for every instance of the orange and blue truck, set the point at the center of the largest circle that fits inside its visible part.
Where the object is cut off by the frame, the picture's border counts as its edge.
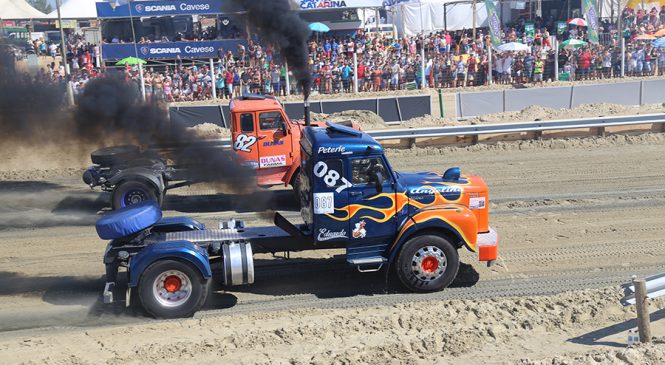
(409, 223)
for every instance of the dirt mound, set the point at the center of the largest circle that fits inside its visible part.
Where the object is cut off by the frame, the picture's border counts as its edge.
(209, 131)
(365, 118)
(554, 144)
(430, 121)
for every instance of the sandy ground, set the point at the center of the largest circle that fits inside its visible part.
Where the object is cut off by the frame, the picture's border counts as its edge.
(577, 217)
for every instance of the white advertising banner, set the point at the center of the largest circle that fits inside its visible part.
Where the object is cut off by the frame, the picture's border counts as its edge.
(429, 16)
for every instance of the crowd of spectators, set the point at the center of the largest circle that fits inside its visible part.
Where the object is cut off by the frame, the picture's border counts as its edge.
(452, 59)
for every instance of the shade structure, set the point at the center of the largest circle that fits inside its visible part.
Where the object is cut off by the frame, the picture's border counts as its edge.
(513, 47)
(75, 9)
(660, 33)
(319, 27)
(572, 44)
(130, 61)
(577, 21)
(17, 10)
(659, 43)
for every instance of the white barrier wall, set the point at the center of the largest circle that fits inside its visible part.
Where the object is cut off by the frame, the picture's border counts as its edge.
(623, 93)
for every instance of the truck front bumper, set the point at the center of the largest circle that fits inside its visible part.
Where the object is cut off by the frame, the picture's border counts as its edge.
(488, 246)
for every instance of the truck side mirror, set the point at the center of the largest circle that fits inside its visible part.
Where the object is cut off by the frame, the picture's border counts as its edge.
(378, 179)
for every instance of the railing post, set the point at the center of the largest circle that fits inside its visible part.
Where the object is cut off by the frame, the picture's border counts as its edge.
(623, 56)
(642, 308)
(441, 103)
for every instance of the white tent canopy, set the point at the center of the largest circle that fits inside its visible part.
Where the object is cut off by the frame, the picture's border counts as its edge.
(427, 16)
(76, 9)
(18, 9)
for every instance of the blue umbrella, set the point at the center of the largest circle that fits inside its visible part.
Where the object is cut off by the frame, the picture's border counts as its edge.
(319, 27)
(659, 43)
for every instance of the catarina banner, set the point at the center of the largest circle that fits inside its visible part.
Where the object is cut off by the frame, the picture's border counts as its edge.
(148, 51)
(157, 8)
(494, 23)
(339, 4)
(589, 9)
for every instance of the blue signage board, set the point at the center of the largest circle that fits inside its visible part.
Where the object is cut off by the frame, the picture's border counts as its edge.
(149, 51)
(158, 8)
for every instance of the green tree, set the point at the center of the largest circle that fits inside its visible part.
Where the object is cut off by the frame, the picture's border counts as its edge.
(41, 5)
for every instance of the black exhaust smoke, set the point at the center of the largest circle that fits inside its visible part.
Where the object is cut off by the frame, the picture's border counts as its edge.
(109, 112)
(278, 23)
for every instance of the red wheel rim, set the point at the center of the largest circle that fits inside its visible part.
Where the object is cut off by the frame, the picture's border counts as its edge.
(429, 264)
(172, 284)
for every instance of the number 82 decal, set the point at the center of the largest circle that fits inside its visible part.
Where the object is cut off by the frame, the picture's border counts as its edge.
(331, 177)
(244, 142)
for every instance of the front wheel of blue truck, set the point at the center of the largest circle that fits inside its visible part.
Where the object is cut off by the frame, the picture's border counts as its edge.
(427, 263)
(172, 289)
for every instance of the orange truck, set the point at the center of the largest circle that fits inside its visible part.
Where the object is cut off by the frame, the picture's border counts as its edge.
(263, 137)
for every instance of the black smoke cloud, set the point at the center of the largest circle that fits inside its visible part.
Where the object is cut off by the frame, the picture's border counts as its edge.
(279, 24)
(109, 111)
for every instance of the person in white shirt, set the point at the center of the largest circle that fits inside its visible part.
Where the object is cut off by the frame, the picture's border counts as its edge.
(498, 67)
(508, 68)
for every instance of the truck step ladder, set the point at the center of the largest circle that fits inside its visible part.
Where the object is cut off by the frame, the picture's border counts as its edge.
(368, 264)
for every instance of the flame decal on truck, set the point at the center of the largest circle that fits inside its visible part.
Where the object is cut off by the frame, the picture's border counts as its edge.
(428, 215)
(397, 202)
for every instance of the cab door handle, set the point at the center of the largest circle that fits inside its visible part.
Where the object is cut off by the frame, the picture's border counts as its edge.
(355, 193)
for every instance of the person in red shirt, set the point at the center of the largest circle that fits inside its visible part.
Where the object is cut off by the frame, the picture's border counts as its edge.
(228, 80)
(584, 64)
(361, 76)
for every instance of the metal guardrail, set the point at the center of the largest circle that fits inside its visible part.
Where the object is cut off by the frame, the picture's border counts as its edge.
(479, 129)
(467, 130)
(655, 286)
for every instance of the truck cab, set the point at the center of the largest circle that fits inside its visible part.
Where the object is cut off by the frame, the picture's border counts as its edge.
(351, 194)
(265, 139)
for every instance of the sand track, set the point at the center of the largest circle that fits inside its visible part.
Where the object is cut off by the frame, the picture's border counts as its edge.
(584, 216)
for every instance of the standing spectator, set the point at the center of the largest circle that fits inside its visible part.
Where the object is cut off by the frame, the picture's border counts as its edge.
(538, 69)
(275, 77)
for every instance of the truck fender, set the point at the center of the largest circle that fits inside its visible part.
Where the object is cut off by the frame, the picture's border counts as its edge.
(139, 173)
(455, 221)
(179, 250)
(291, 172)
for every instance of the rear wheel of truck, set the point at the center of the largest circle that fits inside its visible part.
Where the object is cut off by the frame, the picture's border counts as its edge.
(110, 156)
(427, 263)
(132, 192)
(172, 289)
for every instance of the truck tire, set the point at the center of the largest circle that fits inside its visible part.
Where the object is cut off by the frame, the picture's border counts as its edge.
(295, 184)
(427, 263)
(131, 192)
(172, 289)
(111, 156)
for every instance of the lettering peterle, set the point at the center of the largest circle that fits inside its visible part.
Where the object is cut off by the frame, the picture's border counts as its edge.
(338, 149)
(326, 234)
(442, 189)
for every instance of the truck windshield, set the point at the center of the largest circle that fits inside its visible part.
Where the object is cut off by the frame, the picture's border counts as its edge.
(271, 121)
